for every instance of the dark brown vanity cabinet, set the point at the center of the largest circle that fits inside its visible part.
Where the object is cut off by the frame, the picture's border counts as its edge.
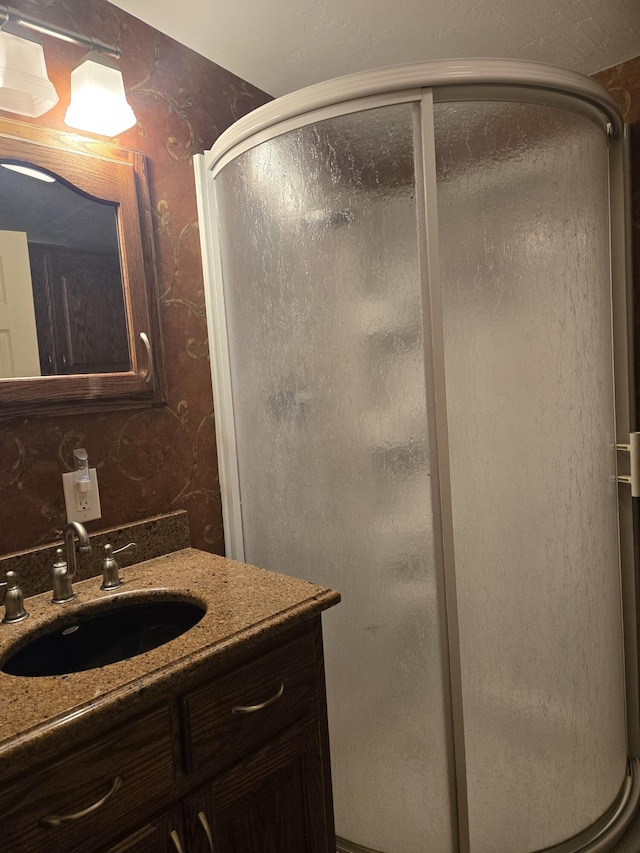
(271, 803)
(237, 762)
(163, 835)
(88, 791)
(261, 729)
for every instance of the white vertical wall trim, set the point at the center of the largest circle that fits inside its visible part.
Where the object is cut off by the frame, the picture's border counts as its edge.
(219, 358)
(438, 428)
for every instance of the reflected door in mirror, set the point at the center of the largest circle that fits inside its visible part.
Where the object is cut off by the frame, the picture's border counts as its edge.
(18, 339)
(80, 311)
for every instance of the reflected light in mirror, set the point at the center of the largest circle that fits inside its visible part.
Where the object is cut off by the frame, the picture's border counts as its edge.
(30, 171)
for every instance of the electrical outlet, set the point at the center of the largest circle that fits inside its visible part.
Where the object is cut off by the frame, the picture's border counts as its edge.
(83, 501)
(81, 506)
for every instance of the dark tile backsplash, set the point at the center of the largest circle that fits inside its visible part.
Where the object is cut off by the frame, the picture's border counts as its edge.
(153, 538)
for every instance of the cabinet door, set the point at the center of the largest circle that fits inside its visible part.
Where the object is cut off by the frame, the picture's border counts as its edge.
(164, 835)
(273, 802)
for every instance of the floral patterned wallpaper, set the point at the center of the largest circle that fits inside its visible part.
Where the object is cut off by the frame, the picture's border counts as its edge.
(155, 460)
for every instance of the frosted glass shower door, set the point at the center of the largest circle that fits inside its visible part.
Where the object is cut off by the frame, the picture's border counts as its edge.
(323, 302)
(524, 254)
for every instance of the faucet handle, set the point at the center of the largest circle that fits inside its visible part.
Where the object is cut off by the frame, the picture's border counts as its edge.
(110, 568)
(13, 604)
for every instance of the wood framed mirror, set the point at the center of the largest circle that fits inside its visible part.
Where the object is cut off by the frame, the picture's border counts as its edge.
(79, 327)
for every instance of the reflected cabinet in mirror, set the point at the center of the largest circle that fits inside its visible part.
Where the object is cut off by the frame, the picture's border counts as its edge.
(79, 323)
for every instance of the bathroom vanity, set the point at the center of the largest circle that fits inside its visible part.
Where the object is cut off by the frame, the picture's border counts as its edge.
(214, 741)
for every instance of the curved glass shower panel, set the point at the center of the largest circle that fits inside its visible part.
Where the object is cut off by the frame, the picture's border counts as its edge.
(323, 304)
(524, 253)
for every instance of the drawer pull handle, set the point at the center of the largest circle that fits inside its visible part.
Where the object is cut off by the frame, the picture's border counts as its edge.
(176, 840)
(205, 825)
(250, 709)
(56, 820)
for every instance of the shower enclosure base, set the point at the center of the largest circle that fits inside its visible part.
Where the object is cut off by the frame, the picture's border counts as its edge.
(343, 846)
(602, 837)
(605, 834)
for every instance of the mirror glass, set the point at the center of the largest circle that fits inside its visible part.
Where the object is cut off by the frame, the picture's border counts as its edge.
(62, 309)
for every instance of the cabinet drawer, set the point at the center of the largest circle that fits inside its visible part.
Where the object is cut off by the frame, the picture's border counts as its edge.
(130, 769)
(229, 718)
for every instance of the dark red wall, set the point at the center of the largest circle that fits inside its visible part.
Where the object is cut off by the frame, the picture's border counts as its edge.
(162, 459)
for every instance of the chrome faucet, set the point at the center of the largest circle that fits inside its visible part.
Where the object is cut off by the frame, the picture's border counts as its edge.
(63, 571)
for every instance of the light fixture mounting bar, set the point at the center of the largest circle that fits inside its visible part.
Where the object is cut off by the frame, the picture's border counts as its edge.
(8, 13)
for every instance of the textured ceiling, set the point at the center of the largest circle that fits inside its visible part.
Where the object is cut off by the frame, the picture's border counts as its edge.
(283, 45)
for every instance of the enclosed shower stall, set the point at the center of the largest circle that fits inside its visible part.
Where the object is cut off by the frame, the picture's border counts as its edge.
(416, 302)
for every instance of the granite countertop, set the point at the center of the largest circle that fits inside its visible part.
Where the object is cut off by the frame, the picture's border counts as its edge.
(245, 605)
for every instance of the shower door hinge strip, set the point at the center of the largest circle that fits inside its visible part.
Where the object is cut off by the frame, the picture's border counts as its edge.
(633, 477)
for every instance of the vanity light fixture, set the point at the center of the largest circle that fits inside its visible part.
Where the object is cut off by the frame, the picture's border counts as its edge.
(98, 101)
(25, 87)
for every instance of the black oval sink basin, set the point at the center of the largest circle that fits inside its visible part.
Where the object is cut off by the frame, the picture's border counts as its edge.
(88, 641)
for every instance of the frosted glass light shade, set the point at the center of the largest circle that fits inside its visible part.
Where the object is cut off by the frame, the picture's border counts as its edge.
(98, 101)
(25, 87)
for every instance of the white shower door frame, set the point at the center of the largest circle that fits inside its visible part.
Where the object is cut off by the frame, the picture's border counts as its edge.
(251, 132)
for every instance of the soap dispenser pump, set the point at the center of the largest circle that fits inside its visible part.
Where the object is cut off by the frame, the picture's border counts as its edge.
(110, 568)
